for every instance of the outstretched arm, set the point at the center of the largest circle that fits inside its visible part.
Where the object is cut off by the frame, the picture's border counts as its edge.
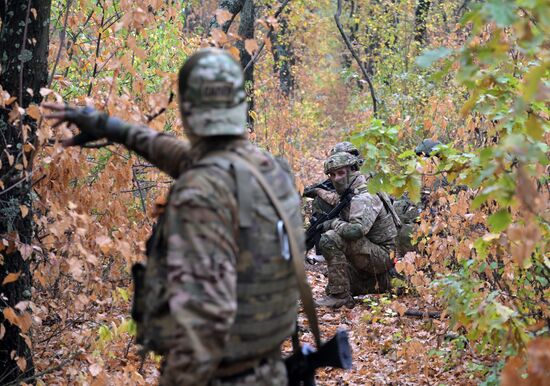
(167, 153)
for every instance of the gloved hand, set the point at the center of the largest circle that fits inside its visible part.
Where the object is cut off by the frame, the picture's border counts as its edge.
(93, 124)
(350, 231)
(327, 225)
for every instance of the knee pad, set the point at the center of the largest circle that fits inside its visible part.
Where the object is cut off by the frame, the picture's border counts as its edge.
(327, 243)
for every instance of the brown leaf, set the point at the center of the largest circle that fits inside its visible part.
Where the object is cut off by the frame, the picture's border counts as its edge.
(24, 210)
(33, 111)
(95, 369)
(2, 330)
(251, 46)
(222, 16)
(218, 37)
(11, 277)
(21, 363)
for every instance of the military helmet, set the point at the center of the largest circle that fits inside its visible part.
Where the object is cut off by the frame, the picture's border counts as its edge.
(211, 94)
(345, 146)
(426, 147)
(339, 160)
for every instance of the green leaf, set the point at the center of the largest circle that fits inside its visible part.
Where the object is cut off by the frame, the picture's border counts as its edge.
(499, 221)
(428, 57)
(501, 11)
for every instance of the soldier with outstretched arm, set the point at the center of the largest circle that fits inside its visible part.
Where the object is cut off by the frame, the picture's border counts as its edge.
(218, 296)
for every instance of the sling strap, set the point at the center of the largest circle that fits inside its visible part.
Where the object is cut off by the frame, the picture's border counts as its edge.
(298, 261)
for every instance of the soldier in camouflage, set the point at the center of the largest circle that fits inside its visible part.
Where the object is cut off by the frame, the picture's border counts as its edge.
(218, 297)
(356, 245)
(325, 198)
(409, 211)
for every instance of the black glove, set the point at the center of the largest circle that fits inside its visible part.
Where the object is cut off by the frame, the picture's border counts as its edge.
(93, 124)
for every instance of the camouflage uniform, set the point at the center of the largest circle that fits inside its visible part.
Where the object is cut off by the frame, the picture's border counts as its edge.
(357, 245)
(217, 296)
(325, 200)
(409, 211)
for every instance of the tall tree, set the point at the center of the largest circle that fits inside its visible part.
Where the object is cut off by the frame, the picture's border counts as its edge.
(24, 39)
(247, 9)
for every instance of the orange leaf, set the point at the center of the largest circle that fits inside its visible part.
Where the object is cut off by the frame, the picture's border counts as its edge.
(222, 16)
(251, 46)
(11, 277)
(33, 111)
(11, 316)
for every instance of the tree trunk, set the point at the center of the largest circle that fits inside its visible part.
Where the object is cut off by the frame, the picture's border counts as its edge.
(246, 31)
(283, 56)
(420, 15)
(24, 37)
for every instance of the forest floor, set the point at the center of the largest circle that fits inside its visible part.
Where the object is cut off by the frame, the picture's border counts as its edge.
(388, 349)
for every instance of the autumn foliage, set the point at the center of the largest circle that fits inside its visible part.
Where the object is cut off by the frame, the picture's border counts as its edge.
(477, 81)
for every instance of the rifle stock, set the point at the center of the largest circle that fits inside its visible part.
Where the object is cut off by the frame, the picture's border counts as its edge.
(301, 366)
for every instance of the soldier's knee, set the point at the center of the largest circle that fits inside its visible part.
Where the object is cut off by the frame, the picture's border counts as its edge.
(329, 242)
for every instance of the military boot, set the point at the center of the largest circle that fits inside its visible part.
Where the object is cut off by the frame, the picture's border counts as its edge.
(336, 301)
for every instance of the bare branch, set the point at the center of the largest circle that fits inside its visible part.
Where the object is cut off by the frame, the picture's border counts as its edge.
(357, 59)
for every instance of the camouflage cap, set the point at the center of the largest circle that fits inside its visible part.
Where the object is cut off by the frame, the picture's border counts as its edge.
(339, 160)
(426, 147)
(345, 146)
(211, 93)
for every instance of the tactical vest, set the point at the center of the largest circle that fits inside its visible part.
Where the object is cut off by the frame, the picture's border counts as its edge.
(267, 291)
(384, 229)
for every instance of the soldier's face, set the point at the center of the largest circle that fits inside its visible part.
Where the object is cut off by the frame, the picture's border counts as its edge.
(340, 178)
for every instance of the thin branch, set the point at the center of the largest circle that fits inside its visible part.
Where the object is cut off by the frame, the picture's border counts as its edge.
(357, 59)
(142, 199)
(62, 37)
(97, 48)
(22, 63)
(162, 110)
(50, 370)
(257, 54)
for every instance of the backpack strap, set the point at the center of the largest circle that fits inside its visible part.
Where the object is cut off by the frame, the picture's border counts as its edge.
(391, 210)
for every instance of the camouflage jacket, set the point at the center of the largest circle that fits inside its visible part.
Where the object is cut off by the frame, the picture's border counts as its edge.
(368, 211)
(200, 258)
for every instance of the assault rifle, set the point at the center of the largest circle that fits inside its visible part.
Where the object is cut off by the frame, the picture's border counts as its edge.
(313, 233)
(302, 364)
(309, 191)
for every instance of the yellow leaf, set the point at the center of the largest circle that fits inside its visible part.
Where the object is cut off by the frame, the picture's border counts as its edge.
(11, 277)
(24, 210)
(222, 16)
(251, 46)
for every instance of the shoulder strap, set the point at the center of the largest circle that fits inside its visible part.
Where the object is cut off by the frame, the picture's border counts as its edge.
(298, 261)
(389, 207)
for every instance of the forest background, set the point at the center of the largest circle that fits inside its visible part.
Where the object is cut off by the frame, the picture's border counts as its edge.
(383, 73)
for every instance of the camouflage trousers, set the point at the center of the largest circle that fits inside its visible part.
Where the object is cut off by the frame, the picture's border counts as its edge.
(270, 373)
(355, 267)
